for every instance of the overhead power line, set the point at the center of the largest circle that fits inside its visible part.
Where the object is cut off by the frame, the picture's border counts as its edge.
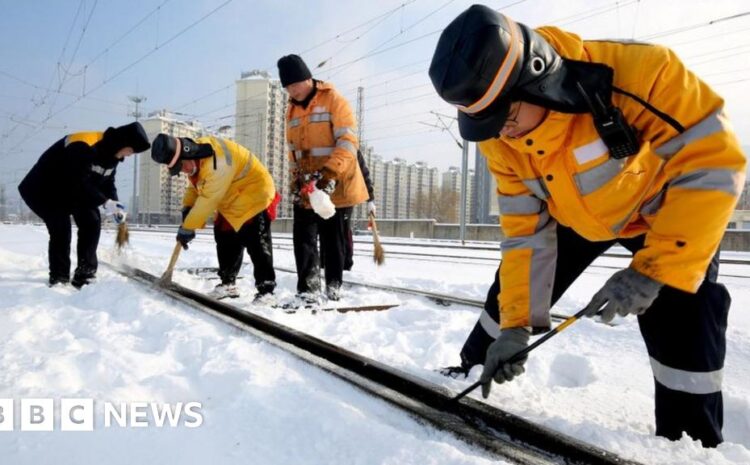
(695, 26)
(129, 66)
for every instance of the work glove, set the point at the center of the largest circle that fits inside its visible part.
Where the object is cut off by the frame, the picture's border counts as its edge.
(509, 343)
(116, 209)
(185, 212)
(371, 209)
(626, 292)
(184, 236)
(326, 181)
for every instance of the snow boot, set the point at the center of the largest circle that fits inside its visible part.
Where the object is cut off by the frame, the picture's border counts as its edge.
(265, 299)
(307, 299)
(333, 292)
(80, 280)
(58, 281)
(224, 291)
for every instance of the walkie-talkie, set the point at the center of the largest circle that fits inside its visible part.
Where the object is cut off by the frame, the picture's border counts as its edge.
(619, 137)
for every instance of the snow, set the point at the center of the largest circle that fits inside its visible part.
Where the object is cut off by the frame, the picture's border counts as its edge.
(121, 342)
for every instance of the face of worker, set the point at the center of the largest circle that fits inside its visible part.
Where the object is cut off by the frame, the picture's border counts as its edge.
(523, 118)
(300, 90)
(124, 152)
(189, 167)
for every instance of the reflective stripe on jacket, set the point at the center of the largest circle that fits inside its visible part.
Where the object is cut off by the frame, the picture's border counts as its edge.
(324, 135)
(679, 190)
(238, 187)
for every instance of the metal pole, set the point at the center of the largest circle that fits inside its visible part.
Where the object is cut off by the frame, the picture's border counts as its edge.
(137, 99)
(464, 184)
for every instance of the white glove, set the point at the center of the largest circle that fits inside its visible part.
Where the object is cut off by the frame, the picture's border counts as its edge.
(321, 204)
(116, 209)
(371, 209)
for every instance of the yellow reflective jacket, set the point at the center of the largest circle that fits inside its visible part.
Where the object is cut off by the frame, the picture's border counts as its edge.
(679, 189)
(233, 182)
(323, 135)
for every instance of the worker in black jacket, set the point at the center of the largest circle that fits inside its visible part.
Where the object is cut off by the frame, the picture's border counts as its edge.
(75, 176)
(349, 260)
(349, 249)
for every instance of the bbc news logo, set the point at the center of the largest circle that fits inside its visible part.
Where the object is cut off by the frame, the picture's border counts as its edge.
(79, 415)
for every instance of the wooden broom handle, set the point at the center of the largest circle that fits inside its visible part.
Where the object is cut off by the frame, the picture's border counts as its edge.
(173, 260)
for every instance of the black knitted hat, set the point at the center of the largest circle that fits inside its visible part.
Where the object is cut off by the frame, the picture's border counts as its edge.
(292, 69)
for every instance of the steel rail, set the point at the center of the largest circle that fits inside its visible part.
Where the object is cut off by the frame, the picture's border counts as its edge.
(502, 434)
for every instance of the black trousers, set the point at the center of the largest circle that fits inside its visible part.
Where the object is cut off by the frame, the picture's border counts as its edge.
(255, 236)
(89, 223)
(348, 242)
(685, 336)
(307, 226)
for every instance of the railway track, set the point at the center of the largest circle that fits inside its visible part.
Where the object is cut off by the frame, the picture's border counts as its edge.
(428, 256)
(502, 434)
(441, 299)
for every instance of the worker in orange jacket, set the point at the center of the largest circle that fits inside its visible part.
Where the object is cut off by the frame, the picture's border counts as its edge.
(594, 143)
(321, 131)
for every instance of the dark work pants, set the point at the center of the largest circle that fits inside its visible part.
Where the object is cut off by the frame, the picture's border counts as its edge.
(307, 226)
(684, 335)
(348, 242)
(255, 236)
(88, 221)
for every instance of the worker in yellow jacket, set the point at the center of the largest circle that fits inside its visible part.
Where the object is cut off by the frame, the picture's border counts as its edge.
(321, 131)
(227, 180)
(594, 143)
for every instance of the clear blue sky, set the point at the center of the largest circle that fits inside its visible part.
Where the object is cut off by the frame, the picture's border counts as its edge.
(44, 44)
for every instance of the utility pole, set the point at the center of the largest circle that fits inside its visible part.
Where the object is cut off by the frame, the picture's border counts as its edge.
(137, 100)
(360, 114)
(464, 186)
(2, 202)
(361, 210)
(464, 145)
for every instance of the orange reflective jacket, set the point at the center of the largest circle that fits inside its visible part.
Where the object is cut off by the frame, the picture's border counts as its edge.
(323, 135)
(679, 189)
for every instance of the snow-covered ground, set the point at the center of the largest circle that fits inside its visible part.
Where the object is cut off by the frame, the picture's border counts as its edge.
(116, 341)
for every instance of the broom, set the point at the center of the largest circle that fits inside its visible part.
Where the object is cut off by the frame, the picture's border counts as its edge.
(166, 278)
(123, 236)
(378, 254)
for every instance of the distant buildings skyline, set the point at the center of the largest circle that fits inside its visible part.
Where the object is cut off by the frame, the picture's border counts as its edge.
(402, 190)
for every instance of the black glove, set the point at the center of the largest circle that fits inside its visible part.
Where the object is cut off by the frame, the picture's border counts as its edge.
(508, 343)
(626, 292)
(185, 212)
(184, 236)
(326, 181)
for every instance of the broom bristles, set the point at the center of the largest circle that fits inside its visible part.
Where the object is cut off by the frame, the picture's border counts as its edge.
(378, 254)
(123, 235)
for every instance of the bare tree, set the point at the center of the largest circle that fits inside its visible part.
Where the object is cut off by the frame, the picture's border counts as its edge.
(446, 203)
(440, 205)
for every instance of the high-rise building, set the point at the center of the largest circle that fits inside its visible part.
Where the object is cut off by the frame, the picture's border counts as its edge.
(260, 126)
(395, 189)
(485, 205)
(426, 186)
(159, 194)
(452, 183)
